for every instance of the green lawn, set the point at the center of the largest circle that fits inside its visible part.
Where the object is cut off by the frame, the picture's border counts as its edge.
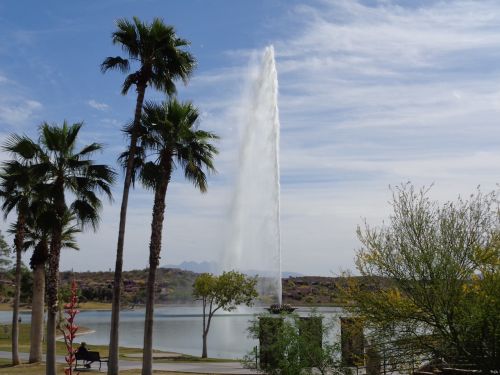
(24, 343)
(39, 369)
(33, 369)
(24, 346)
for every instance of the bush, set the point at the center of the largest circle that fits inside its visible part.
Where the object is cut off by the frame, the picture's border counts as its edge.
(293, 348)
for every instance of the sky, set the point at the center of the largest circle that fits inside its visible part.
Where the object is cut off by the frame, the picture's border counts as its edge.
(372, 94)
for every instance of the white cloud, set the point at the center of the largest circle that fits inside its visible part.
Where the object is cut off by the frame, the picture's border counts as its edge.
(19, 112)
(17, 107)
(96, 105)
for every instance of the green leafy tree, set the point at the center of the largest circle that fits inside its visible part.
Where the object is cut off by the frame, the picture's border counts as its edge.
(171, 139)
(444, 266)
(61, 169)
(224, 292)
(161, 58)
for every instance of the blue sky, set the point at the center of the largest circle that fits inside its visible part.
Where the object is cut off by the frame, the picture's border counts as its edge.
(372, 94)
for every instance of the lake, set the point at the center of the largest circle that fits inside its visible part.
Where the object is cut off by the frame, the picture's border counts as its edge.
(177, 329)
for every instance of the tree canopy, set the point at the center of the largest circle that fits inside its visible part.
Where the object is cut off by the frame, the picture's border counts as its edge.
(225, 292)
(443, 263)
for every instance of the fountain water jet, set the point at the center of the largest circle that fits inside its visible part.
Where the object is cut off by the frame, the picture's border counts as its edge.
(254, 239)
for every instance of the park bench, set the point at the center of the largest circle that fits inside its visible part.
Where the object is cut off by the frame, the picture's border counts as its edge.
(88, 358)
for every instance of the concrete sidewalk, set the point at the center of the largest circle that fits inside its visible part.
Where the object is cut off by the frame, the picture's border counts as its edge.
(196, 367)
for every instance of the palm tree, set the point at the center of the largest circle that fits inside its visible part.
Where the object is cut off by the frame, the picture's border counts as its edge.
(16, 183)
(171, 137)
(61, 168)
(162, 60)
(38, 231)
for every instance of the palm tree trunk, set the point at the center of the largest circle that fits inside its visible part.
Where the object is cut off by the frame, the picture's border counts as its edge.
(37, 262)
(154, 260)
(53, 281)
(37, 313)
(50, 361)
(113, 366)
(147, 359)
(18, 242)
(15, 312)
(52, 301)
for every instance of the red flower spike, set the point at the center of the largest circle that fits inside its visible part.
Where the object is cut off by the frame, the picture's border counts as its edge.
(71, 328)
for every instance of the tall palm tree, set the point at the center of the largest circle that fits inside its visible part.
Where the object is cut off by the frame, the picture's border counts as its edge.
(162, 60)
(16, 184)
(172, 139)
(38, 232)
(63, 169)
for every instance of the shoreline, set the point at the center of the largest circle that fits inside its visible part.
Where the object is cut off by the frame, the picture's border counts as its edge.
(125, 352)
(104, 306)
(82, 331)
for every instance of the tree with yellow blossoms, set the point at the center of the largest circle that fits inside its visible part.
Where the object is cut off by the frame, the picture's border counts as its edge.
(443, 266)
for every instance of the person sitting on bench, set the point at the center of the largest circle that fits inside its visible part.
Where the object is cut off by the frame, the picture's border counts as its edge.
(88, 357)
(83, 353)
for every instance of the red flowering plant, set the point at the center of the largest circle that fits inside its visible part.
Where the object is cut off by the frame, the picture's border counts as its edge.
(70, 328)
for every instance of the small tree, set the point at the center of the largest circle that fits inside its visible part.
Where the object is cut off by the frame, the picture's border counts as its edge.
(225, 292)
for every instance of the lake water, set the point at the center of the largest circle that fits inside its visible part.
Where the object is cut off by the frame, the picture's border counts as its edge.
(177, 329)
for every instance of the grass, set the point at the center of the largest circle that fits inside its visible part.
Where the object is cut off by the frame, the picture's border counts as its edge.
(8, 307)
(101, 306)
(27, 369)
(24, 346)
(24, 343)
(39, 369)
(94, 306)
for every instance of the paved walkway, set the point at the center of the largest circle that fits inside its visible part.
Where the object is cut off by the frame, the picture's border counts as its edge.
(196, 367)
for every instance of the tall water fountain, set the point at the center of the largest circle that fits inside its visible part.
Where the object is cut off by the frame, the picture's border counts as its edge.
(254, 239)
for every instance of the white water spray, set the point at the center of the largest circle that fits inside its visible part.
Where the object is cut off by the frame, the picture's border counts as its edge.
(254, 240)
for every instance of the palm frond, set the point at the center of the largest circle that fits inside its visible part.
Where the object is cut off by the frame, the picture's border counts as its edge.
(115, 63)
(130, 80)
(71, 133)
(90, 149)
(149, 175)
(195, 174)
(160, 52)
(172, 136)
(138, 163)
(86, 214)
(126, 36)
(21, 147)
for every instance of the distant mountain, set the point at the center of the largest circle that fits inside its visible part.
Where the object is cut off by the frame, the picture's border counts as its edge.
(213, 267)
(286, 274)
(197, 267)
